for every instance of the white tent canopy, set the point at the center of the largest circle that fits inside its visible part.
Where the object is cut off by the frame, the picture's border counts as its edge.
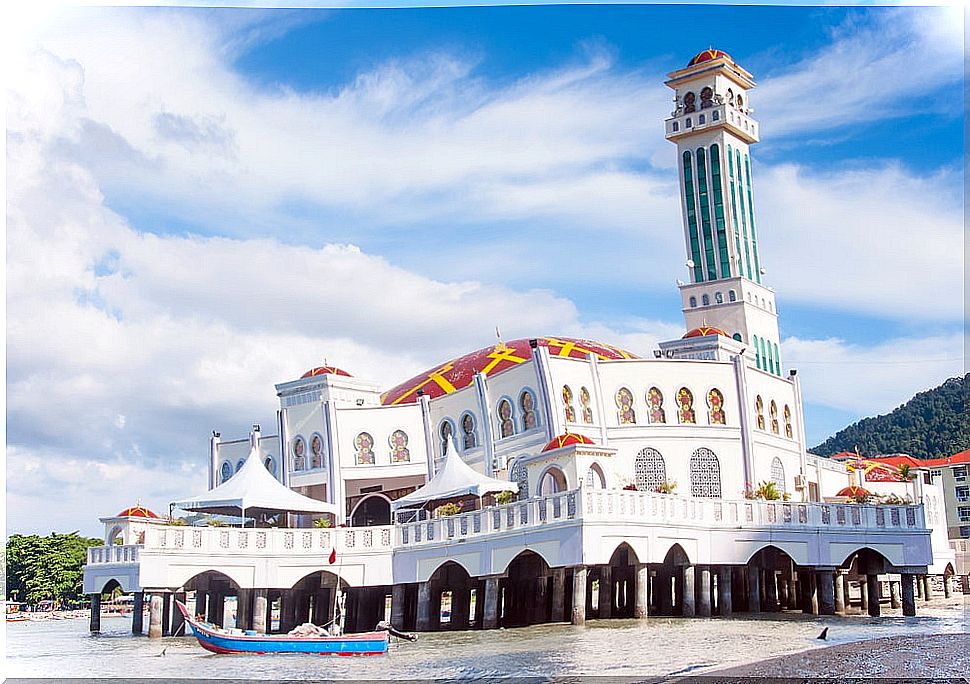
(456, 478)
(253, 490)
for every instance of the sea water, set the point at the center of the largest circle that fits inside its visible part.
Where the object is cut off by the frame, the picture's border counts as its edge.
(654, 647)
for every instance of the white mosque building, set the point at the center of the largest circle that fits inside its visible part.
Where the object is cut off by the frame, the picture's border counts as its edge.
(633, 473)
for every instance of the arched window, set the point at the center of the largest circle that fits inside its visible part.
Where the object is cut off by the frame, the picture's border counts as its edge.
(707, 97)
(298, 447)
(624, 401)
(468, 437)
(705, 300)
(316, 451)
(520, 475)
(655, 405)
(398, 441)
(364, 444)
(715, 401)
(715, 115)
(226, 470)
(757, 352)
(685, 406)
(693, 302)
(740, 102)
(567, 400)
(777, 359)
(732, 296)
(444, 432)
(270, 463)
(690, 103)
(650, 470)
(788, 429)
(687, 123)
(505, 423)
(584, 402)
(729, 96)
(759, 410)
(239, 464)
(595, 478)
(705, 474)
(552, 481)
(736, 336)
(771, 359)
(675, 127)
(773, 411)
(527, 403)
(718, 298)
(701, 119)
(778, 474)
(764, 356)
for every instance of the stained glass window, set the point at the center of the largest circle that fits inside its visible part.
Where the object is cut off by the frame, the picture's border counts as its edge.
(398, 441)
(584, 402)
(469, 438)
(685, 406)
(707, 97)
(239, 464)
(705, 474)
(624, 401)
(365, 449)
(690, 103)
(316, 451)
(567, 400)
(715, 401)
(226, 470)
(299, 452)
(528, 404)
(655, 404)
(650, 470)
(506, 425)
(773, 410)
(788, 428)
(759, 409)
(445, 431)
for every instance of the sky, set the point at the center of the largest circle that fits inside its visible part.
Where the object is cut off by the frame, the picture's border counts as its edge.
(202, 202)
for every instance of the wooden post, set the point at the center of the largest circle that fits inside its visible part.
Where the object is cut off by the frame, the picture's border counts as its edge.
(825, 581)
(137, 614)
(908, 600)
(927, 588)
(605, 609)
(95, 613)
(580, 574)
(725, 603)
(491, 614)
(754, 589)
(558, 595)
(397, 606)
(894, 601)
(872, 589)
(423, 623)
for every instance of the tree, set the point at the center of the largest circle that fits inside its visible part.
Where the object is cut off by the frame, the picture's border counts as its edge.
(40, 568)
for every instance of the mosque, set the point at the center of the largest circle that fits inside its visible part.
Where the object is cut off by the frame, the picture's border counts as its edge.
(583, 479)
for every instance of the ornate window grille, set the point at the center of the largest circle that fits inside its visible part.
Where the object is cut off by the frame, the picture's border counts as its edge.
(650, 470)
(705, 474)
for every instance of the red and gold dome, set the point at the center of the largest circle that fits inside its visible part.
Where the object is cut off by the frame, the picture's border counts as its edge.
(136, 511)
(853, 491)
(459, 373)
(708, 56)
(566, 439)
(325, 370)
(704, 331)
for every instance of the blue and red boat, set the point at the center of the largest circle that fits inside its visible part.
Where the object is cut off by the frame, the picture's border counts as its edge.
(218, 640)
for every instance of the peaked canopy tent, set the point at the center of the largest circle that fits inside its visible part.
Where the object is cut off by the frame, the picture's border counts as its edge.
(253, 490)
(456, 478)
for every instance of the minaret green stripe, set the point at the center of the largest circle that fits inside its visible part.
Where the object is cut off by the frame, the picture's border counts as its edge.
(706, 214)
(722, 245)
(744, 220)
(695, 251)
(734, 213)
(754, 238)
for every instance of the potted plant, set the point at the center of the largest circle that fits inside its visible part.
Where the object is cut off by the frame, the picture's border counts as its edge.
(667, 487)
(448, 509)
(503, 498)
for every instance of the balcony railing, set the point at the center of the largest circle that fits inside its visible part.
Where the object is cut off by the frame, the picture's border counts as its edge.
(268, 541)
(102, 555)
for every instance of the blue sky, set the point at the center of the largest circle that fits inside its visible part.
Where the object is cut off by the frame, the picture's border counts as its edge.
(202, 202)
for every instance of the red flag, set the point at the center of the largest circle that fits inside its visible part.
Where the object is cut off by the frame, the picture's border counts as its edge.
(333, 556)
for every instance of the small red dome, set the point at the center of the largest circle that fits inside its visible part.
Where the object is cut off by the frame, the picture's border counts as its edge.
(853, 491)
(565, 440)
(136, 511)
(325, 370)
(708, 55)
(704, 331)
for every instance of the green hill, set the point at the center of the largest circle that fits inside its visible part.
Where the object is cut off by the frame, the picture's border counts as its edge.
(933, 424)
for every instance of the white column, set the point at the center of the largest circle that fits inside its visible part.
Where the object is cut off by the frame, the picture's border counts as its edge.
(485, 411)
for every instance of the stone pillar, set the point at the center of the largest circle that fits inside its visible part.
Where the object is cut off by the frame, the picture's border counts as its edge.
(217, 608)
(754, 589)
(167, 607)
(771, 591)
(665, 603)
(397, 606)
(845, 590)
(927, 588)
(260, 611)
(95, 613)
(687, 593)
(138, 613)
(965, 584)
(460, 607)
(782, 592)
(288, 611)
(641, 608)
(558, 595)
(872, 589)
(908, 600)
(919, 586)
(725, 604)
(894, 601)
(825, 581)
(863, 594)
(580, 574)
(423, 623)
(244, 609)
(491, 614)
(155, 608)
(947, 591)
(178, 621)
(704, 592)
(840, 596)
(606, 593)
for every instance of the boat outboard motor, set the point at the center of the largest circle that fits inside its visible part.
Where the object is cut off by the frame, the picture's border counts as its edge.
(383, 625)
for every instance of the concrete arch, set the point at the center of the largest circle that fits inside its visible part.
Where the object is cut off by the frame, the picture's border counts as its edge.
(551, 480)
(426, 573)
(322, 571)
(639, 546)
(675, 554)
(510, 555)
(350, 575)
(183, 577)
(113, 534)
(873, 560)
(109, 583)
(599, 476)
(373, 495)
(949, 571)
(794, 551)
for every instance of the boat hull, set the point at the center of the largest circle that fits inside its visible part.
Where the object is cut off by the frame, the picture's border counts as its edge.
(370, 643)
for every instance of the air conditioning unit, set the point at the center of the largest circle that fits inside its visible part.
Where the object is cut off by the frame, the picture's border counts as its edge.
(800, 482)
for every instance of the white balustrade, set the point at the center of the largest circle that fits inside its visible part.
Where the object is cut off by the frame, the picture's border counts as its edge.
(269, 541)
(103, 555)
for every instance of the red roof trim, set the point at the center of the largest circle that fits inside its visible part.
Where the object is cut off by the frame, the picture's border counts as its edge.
(566, 439)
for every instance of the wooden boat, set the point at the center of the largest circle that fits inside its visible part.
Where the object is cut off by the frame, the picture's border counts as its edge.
(218, 640)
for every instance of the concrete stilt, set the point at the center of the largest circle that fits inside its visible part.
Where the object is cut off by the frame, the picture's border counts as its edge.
(665, 603)
(845, 590)
(605, 609)
(688, 605)
(244, 609)
(95, 613)
(201, 602)
(754, 589)
(155, 608)
(423, 622)
(894, 601)
(167, 607)
(578, 616)
(771, 591)
(919, 586)
(491, 614)
(178, 621)
(641, 608)
(725, 604)
(872, 585)
(840, 597)
(138, 613)
(947, 590)
(558, 595)
(927, 588)
(260, 611)
(217, 608)
(704, 593)
(908, 600)
(782, 592)
(397, 606)
(825, 581)
(863, 594)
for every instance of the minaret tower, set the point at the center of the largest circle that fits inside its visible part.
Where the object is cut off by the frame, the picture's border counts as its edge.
(712, 127)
